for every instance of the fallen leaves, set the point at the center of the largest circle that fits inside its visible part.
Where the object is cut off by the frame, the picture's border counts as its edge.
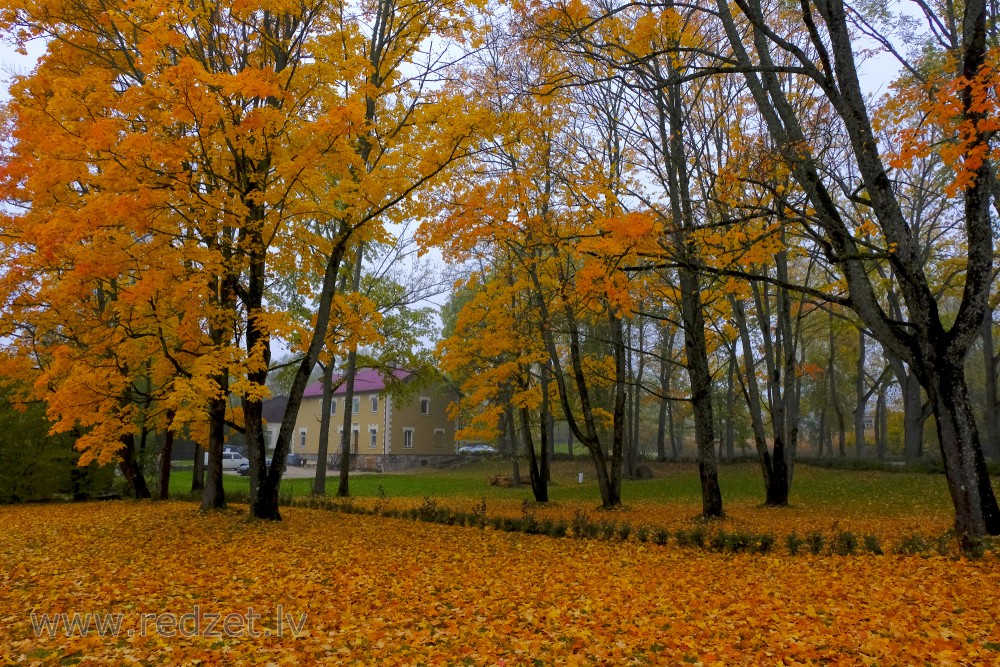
(393, 592)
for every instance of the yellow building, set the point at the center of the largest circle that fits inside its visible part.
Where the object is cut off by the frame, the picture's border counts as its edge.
(387, 433)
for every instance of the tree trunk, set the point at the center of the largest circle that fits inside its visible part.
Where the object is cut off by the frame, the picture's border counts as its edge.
(323, 449)
(976, 510)
(881, 421)
(666, 372)
(198, 475)
(861, 398)
(131, 469)
(343, 487)
(548, 430)
(214, 495)
(991, 413)
(701, 393)
(730, 439)
(915, 412)
(165, 454)
(536, 468)
(775, 483)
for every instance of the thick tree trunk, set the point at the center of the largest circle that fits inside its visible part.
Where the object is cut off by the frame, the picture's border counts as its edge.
(130, 468)
(198, 475)
(214, 495)
(976, 510)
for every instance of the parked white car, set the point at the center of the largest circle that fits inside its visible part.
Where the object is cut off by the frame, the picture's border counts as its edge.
(231, 460)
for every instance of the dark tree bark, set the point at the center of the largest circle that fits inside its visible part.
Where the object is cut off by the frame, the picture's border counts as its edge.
(350, 372)
(915, 410)
(861, 402)
(165, 454)
(772, 468)
(323, 449)
(537, 462)
(730, 439)
(198, 475)
(991, 407)
(130, 468)
(666, 354)
(834, 394)
(936, 350)
(214, 495)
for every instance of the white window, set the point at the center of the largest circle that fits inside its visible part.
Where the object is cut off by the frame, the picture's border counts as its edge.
(425, 406)
(438, 438)
(333, 406)
(302, 438)
(373, 436)
(374, 403)
(356, 405)
(408, 438)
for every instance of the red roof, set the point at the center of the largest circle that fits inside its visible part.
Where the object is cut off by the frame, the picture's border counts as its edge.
(366, 381)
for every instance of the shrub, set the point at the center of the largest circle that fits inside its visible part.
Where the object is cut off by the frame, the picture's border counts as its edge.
(815, 542)
(794, 543)
(607, 529)
(872, 545)
(912, 545)
(843, 543)
(765, 543)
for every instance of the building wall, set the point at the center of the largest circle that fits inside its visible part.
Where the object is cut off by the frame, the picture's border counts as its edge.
(308, 421)
(432, 433)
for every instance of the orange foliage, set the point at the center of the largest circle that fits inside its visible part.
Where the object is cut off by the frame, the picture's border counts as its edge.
(392, 592)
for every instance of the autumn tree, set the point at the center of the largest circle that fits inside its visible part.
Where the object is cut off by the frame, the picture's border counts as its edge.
(934, 345)
(214, 133)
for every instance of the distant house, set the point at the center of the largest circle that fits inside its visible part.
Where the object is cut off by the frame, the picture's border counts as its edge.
(273, 410)
(387, 433)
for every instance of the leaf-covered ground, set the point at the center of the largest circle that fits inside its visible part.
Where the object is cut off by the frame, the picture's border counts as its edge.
(379, 591)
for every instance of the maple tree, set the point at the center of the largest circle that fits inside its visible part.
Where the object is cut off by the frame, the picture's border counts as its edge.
(197, 142)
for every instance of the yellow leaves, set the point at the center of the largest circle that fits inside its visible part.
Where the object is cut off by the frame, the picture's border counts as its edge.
(410, 593)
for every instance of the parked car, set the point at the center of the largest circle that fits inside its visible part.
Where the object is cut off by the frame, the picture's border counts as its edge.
(231, 459)
(292, 460)
(477, 450)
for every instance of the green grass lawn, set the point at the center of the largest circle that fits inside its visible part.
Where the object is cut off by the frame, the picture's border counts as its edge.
(870, 492)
